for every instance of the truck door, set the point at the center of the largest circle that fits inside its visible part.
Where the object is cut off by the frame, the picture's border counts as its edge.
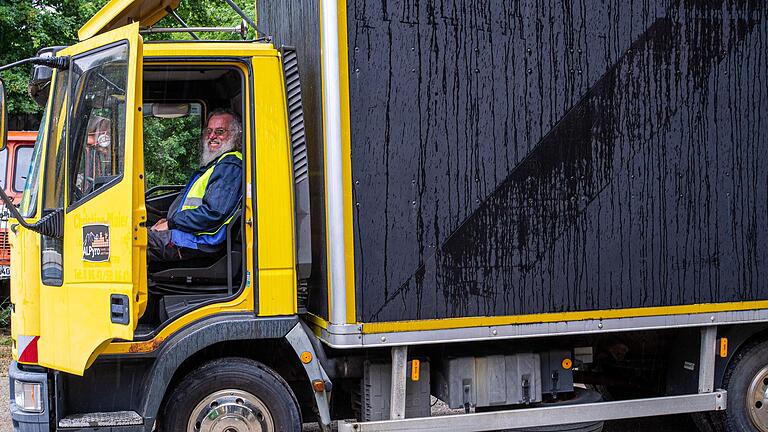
(101, 287)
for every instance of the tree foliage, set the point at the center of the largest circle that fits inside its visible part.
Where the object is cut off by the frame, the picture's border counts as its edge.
(25, 27)
(28, 25)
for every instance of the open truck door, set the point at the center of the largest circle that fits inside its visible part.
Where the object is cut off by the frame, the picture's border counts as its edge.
(98, 291)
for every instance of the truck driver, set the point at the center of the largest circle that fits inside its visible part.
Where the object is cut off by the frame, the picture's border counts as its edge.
(197, 219)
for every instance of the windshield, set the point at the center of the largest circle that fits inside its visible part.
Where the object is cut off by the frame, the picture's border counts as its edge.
(29, 197)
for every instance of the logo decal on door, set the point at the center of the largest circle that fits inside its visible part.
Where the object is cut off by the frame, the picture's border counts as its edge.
(96, 243)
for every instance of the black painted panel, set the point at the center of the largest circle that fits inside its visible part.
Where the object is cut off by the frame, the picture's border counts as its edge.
(296, 23)
(521, 157)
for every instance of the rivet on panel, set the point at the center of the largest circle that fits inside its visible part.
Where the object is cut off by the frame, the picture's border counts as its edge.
(383, 338)
(599, 325)
(494, 332)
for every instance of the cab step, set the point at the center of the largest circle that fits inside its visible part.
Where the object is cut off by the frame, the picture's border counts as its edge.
(101, 419)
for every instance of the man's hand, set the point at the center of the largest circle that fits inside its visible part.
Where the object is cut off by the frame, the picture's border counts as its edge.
(161, 225)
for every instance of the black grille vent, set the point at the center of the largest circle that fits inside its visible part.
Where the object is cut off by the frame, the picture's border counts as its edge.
(300, 171)
(295, 114)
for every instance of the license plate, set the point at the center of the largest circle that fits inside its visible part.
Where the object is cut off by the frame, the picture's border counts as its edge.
(5, 271)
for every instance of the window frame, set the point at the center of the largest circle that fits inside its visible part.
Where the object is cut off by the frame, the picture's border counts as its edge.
(16, 151)
(72, 205)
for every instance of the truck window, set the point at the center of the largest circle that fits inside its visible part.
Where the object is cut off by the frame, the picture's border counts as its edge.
(28, 204)
(3, 166)
(21, 167)
(97, 126)
(175, 144)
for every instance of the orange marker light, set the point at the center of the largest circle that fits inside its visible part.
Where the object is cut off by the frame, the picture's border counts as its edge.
(318, 386)
(415, 370)
(306, 357)
(567, 363)
(723, 347)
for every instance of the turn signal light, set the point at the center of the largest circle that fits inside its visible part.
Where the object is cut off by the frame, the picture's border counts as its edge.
(28, 396)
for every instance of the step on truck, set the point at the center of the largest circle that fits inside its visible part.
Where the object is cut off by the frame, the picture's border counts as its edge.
(540, 215)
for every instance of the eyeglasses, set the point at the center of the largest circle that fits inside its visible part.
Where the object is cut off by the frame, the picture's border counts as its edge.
(217, 131)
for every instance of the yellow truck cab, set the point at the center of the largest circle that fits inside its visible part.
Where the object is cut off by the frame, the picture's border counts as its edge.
(439, 203)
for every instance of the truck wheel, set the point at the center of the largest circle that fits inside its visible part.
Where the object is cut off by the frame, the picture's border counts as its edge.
(233, 395)
(747, 383)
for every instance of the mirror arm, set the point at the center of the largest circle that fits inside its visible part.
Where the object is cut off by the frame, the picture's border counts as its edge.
(51, 225)
(54, 62)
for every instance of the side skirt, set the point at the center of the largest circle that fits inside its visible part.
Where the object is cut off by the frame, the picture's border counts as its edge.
(549, 416)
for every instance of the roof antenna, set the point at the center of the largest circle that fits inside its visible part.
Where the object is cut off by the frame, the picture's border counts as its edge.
(247, 19)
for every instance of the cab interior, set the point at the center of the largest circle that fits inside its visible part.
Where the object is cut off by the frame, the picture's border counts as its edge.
(176, 102)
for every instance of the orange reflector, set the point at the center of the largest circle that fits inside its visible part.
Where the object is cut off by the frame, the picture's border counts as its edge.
(415, 370)
(567, 363)
(306, 357)
(318, 385)
(723, 347)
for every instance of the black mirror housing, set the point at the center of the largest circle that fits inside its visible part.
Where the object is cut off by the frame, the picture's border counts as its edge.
(40, 79)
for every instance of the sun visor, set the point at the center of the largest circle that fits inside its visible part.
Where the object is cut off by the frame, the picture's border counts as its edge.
(118, 13)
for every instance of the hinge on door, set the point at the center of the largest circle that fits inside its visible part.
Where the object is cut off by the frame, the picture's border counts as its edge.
(119, 309)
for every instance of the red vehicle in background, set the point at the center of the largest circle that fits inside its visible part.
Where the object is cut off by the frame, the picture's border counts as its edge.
(14, 168)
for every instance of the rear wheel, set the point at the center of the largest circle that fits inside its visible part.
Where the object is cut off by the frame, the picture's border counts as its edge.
(231, 395)
(746, 381)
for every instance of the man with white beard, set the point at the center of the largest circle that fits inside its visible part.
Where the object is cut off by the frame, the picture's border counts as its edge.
(197, 219)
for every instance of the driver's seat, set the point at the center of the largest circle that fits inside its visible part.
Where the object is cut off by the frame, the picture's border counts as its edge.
(209, 274)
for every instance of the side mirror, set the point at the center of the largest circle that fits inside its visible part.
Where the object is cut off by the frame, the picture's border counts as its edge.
(3, 118)
(40, 79)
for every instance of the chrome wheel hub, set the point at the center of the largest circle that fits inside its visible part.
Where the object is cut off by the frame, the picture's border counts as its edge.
(231, 411)
(757, 400)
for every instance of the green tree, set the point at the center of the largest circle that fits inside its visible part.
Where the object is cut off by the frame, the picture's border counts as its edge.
(25, 27)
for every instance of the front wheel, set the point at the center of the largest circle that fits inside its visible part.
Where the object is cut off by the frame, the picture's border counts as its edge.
(232, 395)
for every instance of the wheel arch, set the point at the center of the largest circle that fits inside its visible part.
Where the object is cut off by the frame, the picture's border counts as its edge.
(739, 337)
(198, 342)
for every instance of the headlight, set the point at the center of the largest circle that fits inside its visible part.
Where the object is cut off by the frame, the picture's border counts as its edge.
(28, 396)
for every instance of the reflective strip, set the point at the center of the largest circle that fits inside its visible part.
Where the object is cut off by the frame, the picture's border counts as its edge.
(196, 192)
(192, 202)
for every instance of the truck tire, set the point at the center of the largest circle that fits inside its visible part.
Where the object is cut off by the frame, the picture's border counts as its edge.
(235, 394)
(746, 381)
